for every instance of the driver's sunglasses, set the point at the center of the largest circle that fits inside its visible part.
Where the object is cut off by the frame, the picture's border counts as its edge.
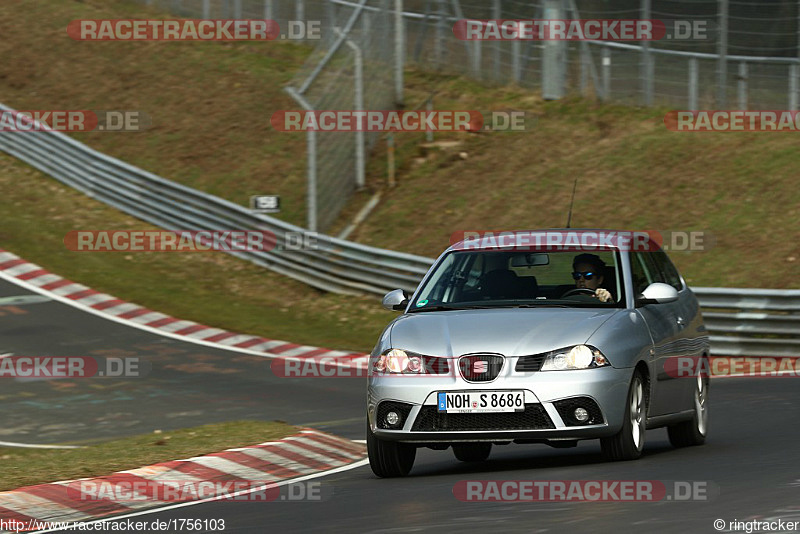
(586, 276)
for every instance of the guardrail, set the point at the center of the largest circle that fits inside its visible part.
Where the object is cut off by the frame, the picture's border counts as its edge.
(338, 265)
(751, 322)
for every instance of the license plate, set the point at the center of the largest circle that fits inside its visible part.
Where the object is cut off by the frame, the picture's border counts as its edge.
(481, 401)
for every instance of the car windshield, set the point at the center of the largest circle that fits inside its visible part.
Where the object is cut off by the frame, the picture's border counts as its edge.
(497, 279)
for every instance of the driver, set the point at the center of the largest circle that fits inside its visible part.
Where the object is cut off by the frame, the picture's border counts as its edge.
(587, 272)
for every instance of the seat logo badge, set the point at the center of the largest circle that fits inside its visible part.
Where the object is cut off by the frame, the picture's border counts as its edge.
(480, 367)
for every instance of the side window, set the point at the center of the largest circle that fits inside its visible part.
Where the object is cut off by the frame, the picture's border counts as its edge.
(669, 271)
(645, 271)
(640, 277)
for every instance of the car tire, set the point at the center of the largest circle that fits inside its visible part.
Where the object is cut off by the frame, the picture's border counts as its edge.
(628, 443)
(472, 452)
(693, 432)
(389, 458)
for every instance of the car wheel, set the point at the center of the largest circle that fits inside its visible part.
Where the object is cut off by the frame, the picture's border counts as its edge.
(689, 433)
(472, 452)
(628, 443)
(389, 458)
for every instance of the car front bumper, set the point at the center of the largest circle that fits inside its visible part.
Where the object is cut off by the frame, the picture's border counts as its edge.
(546, 393)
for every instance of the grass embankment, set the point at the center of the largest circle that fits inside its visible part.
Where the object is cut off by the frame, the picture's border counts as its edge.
(211, 103)
(26, 467)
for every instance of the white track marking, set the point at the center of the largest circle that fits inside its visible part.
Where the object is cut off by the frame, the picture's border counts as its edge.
(355, 465)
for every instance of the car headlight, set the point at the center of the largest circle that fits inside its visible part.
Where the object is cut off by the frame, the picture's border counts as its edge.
(577, 357)
(398, 361)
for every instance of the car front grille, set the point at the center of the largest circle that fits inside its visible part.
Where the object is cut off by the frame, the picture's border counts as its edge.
(480, 367)
(530, 363)
(430, 419)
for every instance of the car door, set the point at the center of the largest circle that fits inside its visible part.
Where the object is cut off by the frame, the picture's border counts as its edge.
(692, 338)
(666, 330)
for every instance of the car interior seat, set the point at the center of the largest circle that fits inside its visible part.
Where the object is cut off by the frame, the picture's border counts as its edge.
(501, 284)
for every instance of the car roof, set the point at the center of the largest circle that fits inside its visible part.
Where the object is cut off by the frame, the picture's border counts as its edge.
(555, 240)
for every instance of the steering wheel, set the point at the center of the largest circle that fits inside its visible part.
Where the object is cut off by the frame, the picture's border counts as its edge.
(578, 291)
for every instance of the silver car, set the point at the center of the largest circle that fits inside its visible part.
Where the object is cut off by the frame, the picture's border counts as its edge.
(512, 341)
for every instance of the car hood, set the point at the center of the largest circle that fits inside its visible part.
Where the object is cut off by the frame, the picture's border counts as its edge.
(512, 331)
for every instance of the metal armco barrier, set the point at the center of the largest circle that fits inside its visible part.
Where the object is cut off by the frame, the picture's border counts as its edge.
(337, 265)
(752, 322)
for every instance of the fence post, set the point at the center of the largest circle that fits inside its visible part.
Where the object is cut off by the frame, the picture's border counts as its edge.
(584, 81)
(237, 9)
(312, 180)
(793, 87)
(693, 81)
(300, 10)
(311, 176)
(429, 109)
(269, 10)
(441, 13)
(497, 13)
(553, 56)
(722, 51)
(399, 53)
(359, 103)
(647, 71)
(742, 85)
(206, 9)
(606, 64)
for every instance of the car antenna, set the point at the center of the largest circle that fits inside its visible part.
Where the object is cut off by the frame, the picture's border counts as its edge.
(571, 202)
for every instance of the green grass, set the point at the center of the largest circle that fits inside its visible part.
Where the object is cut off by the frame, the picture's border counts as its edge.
(211, 103)
(26, 467)
(208, 287)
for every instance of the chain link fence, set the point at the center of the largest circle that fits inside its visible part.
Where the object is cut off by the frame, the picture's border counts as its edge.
(351, 69)
(749, 58)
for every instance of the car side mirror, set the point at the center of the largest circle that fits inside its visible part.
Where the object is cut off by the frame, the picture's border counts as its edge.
(657, 293)
(395, 300)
